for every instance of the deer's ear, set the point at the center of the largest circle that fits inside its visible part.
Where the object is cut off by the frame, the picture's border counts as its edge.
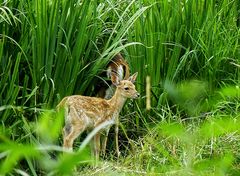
(115, 79)
(133, 77)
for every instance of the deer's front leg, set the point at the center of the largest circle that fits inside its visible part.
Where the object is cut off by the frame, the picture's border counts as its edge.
(116, 137)
(104, 142)
(97, 145)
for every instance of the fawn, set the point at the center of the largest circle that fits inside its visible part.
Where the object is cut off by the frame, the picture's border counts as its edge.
(82, 112)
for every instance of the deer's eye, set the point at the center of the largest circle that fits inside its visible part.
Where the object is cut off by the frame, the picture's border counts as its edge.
(126, 88)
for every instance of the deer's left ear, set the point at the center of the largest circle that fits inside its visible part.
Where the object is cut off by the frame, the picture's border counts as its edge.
(133, 77)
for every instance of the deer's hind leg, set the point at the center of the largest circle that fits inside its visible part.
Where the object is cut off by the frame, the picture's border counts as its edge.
(71, 135)
(72, 129)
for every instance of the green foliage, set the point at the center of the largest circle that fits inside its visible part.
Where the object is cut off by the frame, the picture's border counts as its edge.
(42, 151)
(51, 49)
(186, 40)
(199, 144)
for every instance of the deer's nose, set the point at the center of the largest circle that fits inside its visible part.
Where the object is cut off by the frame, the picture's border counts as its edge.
(138, 95)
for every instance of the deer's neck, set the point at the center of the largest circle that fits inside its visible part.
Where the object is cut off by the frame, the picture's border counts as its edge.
(117, 101)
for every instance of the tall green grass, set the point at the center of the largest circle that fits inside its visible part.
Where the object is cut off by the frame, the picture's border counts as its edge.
(51, 49)
(58, 45)
(187, 40)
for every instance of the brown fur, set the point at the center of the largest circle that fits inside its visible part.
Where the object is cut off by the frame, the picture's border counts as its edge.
(116, 69)
(114, 65)
(82, 112)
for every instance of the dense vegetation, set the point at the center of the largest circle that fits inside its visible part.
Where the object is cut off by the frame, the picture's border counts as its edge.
(190, 51)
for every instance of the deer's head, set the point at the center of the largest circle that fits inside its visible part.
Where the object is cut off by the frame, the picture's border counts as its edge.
(127, 87)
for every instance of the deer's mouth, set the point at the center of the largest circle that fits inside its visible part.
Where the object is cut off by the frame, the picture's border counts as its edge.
(135, 96)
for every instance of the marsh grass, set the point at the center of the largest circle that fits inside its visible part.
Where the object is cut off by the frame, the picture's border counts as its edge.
(189, 50)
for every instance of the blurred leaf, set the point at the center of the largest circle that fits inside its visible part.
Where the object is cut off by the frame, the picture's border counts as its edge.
(219, 166)
(189, 95)
(230, 92)
(15, 152)
(50, 126)
(173, 130)
(219, 126)
(68, 161)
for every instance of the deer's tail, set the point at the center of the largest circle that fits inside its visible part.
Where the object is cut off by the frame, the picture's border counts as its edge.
(62, 104)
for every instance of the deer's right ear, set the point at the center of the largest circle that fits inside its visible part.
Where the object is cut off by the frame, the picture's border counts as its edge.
(115, 79)
(133, 77)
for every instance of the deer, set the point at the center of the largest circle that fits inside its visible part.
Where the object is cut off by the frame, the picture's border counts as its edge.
(84, 113)
(117, 69)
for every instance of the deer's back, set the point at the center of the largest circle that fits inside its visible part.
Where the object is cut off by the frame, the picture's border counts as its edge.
(87, 104)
